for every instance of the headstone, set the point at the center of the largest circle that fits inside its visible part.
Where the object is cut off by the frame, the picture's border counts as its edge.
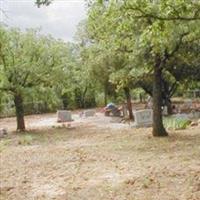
(64, 116)
(143, 118)
(194, 115)
(165, 111)
(89, 113)
(3, 132)
(188, 103)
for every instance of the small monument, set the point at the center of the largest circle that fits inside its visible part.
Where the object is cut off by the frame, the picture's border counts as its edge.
(89, 113)
(188, 104)
(143, 118)
(165, 111)
(3, 132)
(64, 116)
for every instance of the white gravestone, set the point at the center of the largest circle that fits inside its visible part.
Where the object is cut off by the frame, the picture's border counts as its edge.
(89, 113)
(64, 116)
(165, 111)
(143, 118)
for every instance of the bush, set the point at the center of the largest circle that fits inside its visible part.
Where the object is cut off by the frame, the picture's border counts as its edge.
(176, 123)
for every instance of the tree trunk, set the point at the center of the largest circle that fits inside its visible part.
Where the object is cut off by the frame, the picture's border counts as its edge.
(105, 95)
(19, 107)
(158, 128)
(129, 104)
(169, 106)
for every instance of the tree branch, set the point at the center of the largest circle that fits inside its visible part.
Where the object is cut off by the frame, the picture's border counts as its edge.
(168, 18)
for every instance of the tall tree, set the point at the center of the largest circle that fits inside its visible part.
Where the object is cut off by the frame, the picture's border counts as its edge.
(27, 61)
(153, 31)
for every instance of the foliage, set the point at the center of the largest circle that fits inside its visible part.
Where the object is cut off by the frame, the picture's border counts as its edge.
(176, 123)
(152, 37)
(32, 66)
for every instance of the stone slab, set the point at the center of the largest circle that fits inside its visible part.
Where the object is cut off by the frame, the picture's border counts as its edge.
(89, 113)
(64, 116)
(143, 118)
(3, 132)
(165, 111)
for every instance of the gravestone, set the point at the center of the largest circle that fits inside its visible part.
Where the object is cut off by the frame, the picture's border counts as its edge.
(3, 132)
(188, 104)
(143, 118)
(89, 113)
(165, 111)
(64, 116)
(194, 115)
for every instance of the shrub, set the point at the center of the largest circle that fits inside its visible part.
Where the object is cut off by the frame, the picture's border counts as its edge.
(176, 123)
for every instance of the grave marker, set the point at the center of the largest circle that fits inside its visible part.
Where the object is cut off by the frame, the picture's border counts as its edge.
(3, 132)
(143, 118)
(64, 116)
(89, 113)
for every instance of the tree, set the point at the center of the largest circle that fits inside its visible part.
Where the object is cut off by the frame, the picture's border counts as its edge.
(27, 61)
(153, 31)
(152, 34)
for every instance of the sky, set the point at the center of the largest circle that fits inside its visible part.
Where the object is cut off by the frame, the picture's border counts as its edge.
(60, 19)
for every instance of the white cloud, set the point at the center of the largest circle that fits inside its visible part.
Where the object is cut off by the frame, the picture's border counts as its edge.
(59, 19)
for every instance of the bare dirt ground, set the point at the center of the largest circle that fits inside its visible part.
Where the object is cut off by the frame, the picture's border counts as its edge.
(44, 121)
(95, 159)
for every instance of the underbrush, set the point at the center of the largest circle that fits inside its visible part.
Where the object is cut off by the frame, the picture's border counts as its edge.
(176, 123)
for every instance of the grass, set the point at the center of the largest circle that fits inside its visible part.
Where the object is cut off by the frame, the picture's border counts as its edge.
(176, 123)
(25, 140)
(4, 144)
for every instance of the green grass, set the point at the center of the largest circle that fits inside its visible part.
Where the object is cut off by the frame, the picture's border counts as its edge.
(176, 123)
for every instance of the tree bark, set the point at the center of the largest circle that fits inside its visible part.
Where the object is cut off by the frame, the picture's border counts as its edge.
(129, 104)
(169, 106)
(19, 107)
(105, 95)
(158, 127)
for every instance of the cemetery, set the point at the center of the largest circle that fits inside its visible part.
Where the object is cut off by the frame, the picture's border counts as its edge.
(99, 100)
(87, 152)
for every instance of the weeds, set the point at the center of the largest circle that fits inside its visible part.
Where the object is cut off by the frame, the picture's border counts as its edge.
(25, 140)
(176, 123)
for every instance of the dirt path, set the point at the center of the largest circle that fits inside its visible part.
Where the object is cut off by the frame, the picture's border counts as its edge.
(90, 163)
(44, 121)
